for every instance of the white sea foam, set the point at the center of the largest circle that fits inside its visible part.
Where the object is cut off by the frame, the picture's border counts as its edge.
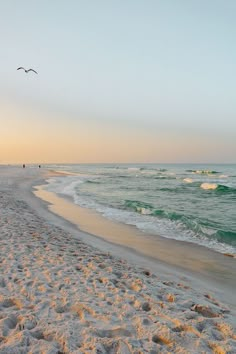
(188, 180)
(209, 185)
(144, 211)
(64, 185)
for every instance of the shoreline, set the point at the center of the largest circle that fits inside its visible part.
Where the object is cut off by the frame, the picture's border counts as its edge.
(186, 258)
(65, 291)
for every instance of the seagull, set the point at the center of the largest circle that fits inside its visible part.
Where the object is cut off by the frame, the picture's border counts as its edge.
(26, 71)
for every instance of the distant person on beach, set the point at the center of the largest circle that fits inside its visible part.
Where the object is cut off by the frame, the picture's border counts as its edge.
(39, 166)
(23, 165)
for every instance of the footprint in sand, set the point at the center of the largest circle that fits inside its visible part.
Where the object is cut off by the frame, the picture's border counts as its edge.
(27, 322)
(112, 333)
(147, 273)
(205, 311)
(8, 323)
(2, 283)
(146, 306)
(6, 301)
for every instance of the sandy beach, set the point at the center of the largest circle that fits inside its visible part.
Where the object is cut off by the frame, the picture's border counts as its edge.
(65, 291)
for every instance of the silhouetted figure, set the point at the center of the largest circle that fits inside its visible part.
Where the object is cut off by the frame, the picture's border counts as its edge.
(26, 71)
(39, 166)
(23, 165)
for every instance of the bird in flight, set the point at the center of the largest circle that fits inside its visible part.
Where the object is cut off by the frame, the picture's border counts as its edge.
(26, 71)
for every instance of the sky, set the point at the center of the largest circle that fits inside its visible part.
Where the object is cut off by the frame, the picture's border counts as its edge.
(118, 81)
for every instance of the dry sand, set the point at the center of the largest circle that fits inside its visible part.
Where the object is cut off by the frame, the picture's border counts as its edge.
(61, 295)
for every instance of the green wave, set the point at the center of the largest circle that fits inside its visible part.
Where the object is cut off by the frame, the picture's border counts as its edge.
(171, 215)
(218, 188)
(203, 172)
(137, 205)
(225, 189)
(226, 236)
(191, 223)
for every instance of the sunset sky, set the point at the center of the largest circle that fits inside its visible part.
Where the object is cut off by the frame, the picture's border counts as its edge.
(119, 81)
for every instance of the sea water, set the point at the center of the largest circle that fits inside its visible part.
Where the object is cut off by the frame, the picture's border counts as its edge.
(194, 203)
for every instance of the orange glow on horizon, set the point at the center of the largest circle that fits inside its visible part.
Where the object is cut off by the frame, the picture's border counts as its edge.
(29, 137)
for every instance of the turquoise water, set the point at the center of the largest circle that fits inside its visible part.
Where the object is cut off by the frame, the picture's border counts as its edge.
(195, 203)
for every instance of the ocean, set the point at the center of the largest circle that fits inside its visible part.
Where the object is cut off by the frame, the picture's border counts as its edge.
(186, 202)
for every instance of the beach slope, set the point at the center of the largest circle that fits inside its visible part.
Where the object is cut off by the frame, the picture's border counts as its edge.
(59, 294)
